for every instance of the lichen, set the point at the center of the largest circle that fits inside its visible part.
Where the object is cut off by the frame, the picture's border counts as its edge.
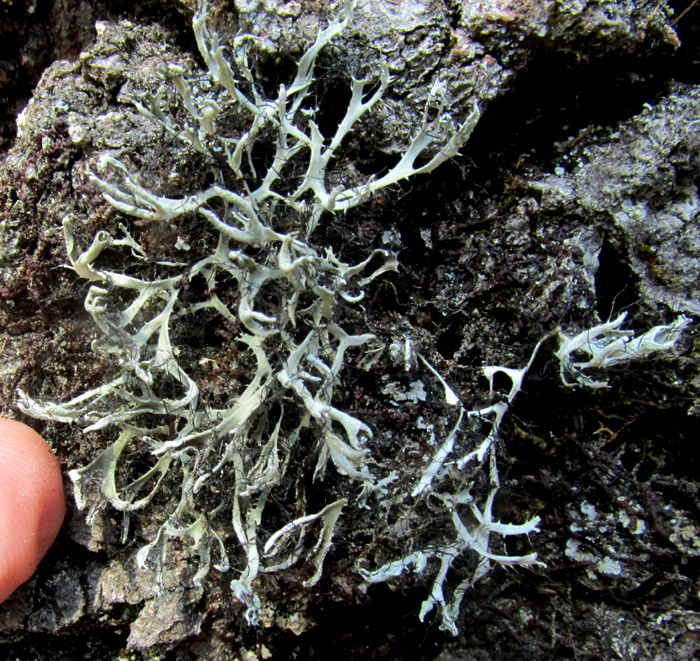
(292, 342)
(242, 452)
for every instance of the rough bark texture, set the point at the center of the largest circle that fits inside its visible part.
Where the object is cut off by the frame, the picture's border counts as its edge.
(576, 198)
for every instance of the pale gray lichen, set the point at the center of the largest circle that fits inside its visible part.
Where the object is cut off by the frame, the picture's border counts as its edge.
(293, 343)
(473, 532)
(607, 345)
(443, 478)
(234, 454)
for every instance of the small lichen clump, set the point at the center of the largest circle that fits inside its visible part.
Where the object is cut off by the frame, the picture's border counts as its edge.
(281, 297)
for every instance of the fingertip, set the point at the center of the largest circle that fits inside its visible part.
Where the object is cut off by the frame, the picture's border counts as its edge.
(32, 503)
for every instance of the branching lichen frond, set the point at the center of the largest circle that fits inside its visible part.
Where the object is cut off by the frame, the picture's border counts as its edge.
(230, 446)
(607, 345)
(295, 351)
(239, 445)
(473, 533)
(474, 527)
